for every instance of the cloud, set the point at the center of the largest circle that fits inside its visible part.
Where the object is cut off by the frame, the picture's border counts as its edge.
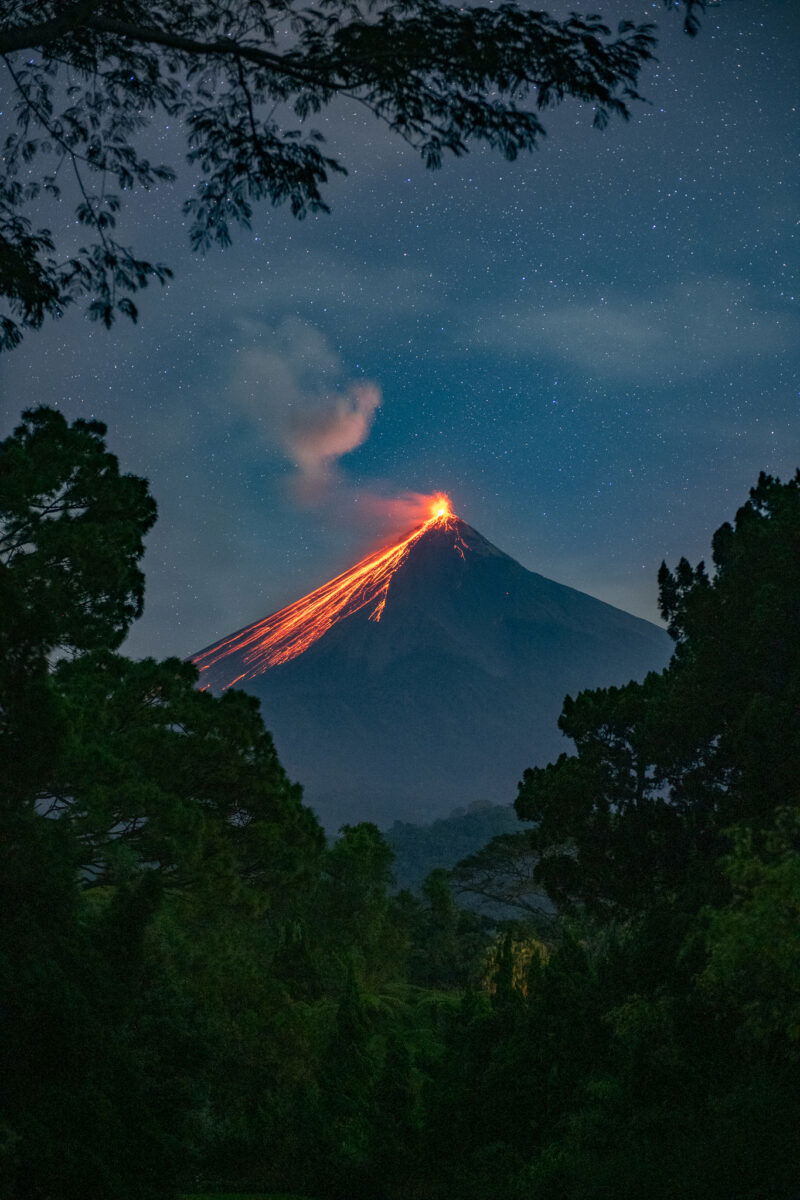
(289, 387)
(690, 330)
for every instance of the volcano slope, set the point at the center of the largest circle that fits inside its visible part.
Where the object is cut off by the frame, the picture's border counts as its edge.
(428, 676)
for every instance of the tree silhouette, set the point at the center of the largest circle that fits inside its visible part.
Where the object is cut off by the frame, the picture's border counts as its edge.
(240, 80)
(665, 767)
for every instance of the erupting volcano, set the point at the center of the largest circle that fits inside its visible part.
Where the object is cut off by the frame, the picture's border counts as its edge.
(429, 675)
(289, 632)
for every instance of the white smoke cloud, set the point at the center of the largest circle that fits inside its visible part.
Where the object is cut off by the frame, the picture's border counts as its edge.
(290, 384)
(290, 390)
(317, 438)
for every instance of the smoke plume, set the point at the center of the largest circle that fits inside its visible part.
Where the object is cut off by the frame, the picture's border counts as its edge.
(317, 437)
(292, 386)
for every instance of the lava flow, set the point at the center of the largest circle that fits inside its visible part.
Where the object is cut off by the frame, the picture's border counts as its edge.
(287, 633)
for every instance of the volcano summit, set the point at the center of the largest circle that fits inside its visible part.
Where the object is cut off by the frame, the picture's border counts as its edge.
(427, 676)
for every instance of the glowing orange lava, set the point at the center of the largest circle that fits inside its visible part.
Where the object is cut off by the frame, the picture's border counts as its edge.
(440, 507)
(287, 633)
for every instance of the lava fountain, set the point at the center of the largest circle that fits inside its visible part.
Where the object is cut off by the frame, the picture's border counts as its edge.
(290, 631)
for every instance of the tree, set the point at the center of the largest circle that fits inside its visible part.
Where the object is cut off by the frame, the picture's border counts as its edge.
(665, 766)
(158, 774)
(753, 942)
(140, 818)
(503, 873)
(448, 944)
(71, 536)
(241, 79)
(354, 910)
(71, 530)
(661, 1033)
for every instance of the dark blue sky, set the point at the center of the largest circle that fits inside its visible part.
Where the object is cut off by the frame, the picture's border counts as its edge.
(593, 349)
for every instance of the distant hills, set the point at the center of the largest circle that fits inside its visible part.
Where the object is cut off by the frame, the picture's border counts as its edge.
(420, 849)
(428, 676)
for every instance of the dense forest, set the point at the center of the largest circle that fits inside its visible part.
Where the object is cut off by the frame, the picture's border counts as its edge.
(200, 993)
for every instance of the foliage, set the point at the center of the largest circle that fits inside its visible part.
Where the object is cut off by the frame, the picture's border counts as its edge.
(664, 767)
(501, 876)
(241, 81)
(447, 944)
(156, 772)
(753, 942)
(198, 992)
(129, 797)
(653, 1050)
(71, 531)
(420, 849)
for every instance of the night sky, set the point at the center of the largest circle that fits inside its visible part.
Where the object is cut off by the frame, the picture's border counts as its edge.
(594, 350)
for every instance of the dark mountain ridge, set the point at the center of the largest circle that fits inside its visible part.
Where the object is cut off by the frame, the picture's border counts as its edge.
(441, 688)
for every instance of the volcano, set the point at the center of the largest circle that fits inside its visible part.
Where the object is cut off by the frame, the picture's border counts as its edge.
(428, 676)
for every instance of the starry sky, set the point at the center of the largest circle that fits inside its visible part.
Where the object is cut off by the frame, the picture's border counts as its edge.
(594, 349)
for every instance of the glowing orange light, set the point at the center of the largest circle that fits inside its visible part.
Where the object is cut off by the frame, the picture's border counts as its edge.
(440, 507)
(286, 634)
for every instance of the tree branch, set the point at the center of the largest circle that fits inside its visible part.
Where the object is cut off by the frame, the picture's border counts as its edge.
(509, 900)
(222, 47)
(27, 37)
(73, 155)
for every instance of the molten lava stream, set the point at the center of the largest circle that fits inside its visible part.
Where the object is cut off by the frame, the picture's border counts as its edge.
(287, 633)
